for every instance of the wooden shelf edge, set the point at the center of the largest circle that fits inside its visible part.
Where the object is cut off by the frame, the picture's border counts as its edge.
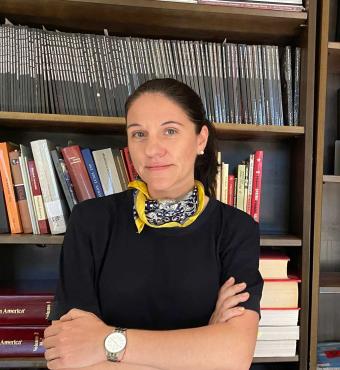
(329, 279)
(275, 359)
(161, 19)
(22, 362)
(330, 179)
(52, 122)
(57, 240)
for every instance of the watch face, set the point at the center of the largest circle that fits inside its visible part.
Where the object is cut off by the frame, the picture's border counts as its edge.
(115, 342)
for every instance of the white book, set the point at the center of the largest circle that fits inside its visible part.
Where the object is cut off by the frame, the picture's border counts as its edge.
(218, 177)
(51, 192)
(224, 182)
(241, 172)
(278, 332)
(278, 317)
(275, 348)
(107, 171)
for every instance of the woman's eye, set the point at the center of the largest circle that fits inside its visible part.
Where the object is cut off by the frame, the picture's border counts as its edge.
(138, 134)
(170, 131)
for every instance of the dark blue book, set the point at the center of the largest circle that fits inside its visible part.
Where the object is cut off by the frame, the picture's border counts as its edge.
(92, 171)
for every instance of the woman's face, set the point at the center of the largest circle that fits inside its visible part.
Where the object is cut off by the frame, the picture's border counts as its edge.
(163, 145)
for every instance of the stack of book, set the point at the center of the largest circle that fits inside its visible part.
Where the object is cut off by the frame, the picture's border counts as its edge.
(65, 73)
(278, 329)
(242, 191)
(23, 316)
(329, 355)
(285, 5)
(42, 183)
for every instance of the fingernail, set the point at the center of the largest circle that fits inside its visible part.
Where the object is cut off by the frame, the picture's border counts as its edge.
(240, 308)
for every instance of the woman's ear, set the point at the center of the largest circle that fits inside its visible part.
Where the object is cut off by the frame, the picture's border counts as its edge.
(202, 138)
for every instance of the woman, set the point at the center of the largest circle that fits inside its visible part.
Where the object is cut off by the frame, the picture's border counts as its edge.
(162, 259)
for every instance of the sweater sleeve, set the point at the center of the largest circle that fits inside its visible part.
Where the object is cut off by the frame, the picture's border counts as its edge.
(76, 288)
(240, 258)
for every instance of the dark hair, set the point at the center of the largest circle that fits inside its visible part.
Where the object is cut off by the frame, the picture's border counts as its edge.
(191, 103)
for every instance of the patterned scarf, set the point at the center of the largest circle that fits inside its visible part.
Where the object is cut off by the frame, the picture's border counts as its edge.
(168, 212)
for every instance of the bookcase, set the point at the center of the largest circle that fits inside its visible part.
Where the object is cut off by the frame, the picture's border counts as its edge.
(325, 299)
(287, 168)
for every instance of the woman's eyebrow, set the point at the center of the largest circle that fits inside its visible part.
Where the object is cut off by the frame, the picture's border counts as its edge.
(164, 123)
(167, 122)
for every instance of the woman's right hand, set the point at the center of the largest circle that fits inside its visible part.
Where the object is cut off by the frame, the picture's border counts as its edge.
(228, 298)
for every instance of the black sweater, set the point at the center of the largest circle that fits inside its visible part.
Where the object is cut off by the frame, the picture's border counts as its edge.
(166, 278)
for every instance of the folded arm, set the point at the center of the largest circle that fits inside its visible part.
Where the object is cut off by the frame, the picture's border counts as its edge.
(228, 345)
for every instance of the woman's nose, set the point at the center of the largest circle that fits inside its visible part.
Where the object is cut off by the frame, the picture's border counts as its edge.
(154, 147)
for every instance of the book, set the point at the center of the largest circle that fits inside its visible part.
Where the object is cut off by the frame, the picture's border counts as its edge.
(8, 188)
(280, 293)
(241, 172)
(38, 202)
(273, 265)
(129, 165)
(296, 85)
(25, 155)
(21, 341)
(52, 195)
(231, 189)
(279, 316)
(76, 168)
(92, 171)
(257, 185)
(20, 192)
(24, 308)
(278, 333)
(4, 224)
(64, 178)
(107, 171)
(275, 348)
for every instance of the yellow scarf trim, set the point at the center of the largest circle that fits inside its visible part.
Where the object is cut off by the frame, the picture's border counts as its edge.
(143, 195)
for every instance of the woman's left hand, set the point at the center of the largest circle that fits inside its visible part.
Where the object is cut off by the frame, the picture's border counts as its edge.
(76, 340)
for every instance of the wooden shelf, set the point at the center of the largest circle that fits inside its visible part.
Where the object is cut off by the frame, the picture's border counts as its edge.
(101, 125)
(152, 18)
(275, 359)
(334, 57)
(331, 178)
(22, 362)
(330, 279)
(49, 240)
(23, 239)
(280, 241)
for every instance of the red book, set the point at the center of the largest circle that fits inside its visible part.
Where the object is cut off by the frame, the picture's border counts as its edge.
(19, 308)
(39, 206)
(21, 341)
(257, 182)
(79, 176)
(129, 165)
(231, 188)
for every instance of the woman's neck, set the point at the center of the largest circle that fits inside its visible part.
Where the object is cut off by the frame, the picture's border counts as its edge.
(173, 194)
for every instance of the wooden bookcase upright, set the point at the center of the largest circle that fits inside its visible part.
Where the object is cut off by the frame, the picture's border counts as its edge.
(325, 301)
(287, 186)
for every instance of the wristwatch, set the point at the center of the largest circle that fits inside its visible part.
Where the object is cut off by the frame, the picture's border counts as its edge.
(115, 344)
